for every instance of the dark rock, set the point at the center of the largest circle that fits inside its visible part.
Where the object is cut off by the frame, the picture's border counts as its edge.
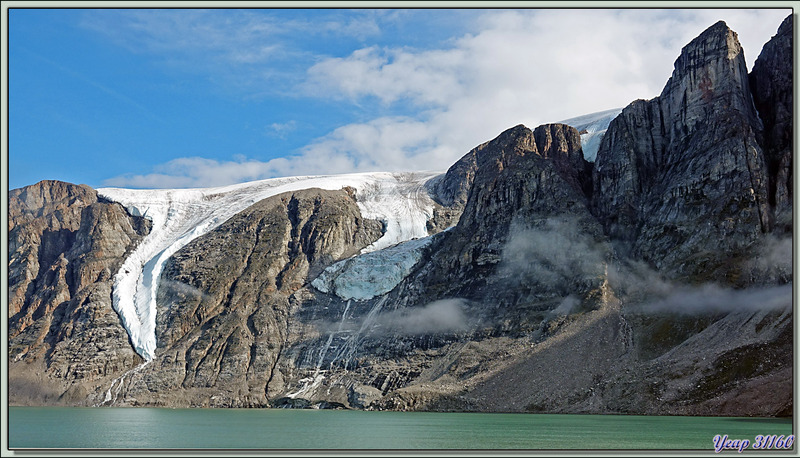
(518, 191)
(562, 144)
(771, 83)
(681, 179)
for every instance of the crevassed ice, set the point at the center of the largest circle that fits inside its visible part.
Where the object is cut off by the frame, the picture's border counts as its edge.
(181, 215)
(371, 274)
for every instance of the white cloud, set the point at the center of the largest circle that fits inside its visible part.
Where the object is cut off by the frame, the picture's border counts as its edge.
(192, 172)
(281, 130)
(243, 36)
(238, 49)
(530, 67)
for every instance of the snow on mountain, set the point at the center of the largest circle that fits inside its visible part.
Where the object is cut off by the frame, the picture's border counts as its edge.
(181, 215)
(592, 127)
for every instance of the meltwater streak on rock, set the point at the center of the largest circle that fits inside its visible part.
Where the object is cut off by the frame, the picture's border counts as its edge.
(308, 384)
(182, 215)
(119, 381)
(345, 351)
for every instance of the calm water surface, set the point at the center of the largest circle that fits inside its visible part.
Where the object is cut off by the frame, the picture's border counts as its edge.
(155, 428)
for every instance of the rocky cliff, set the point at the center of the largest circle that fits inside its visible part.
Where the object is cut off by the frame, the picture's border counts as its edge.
(771, 83)
(656, 280)
(689, 155)
(64, 335)
(224, 298)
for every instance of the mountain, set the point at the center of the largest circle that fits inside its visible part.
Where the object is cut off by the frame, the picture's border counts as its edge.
(655, 279)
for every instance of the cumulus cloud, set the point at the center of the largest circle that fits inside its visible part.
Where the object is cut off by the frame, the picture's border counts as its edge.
(193, 172)
(435, 104)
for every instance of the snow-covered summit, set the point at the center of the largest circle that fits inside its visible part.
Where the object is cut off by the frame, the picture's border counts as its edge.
(592, 128)
(181, 215)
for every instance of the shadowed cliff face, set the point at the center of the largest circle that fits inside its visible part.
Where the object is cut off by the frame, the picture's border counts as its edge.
(681, 179)
(771, 83)
(655, 282)
(526, 181)
(64, 247)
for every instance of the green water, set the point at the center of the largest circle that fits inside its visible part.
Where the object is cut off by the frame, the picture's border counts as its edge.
(153, 428)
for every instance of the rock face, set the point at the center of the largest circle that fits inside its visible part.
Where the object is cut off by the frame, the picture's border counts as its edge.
(63, 246)
(655, 281)
(223, 301)
(689, 155)
(524, 179)
(771, 82)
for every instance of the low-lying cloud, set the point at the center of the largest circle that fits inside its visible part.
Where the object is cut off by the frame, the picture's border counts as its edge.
(441, 316)
(182, 291)
(553, 254)
(644, 290)
(712, 298)
(556, 257)
(773, 259)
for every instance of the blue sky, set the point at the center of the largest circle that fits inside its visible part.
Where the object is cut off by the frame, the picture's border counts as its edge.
(194, 97)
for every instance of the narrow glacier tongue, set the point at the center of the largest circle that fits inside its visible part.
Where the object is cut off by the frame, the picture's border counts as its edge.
(179, 216)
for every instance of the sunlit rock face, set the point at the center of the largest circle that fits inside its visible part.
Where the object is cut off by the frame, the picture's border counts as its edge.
(224, 298)
(64, 335)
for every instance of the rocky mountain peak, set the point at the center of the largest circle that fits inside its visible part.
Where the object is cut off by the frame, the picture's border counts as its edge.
(710, 71)
(46, 196)
(691, 154)
(452, 189)
(562, 145)
(715, 42)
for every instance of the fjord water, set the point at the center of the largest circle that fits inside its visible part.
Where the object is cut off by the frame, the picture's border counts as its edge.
(158, 428)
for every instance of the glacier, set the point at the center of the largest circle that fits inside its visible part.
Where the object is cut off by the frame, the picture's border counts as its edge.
(373, 273)
(594, 125)
(178, 216)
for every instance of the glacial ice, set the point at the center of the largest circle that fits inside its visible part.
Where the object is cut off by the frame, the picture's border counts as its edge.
(179, 216)
(595, 125)
(371, 274)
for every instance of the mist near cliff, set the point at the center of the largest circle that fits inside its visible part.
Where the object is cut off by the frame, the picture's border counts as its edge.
(555, 253)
